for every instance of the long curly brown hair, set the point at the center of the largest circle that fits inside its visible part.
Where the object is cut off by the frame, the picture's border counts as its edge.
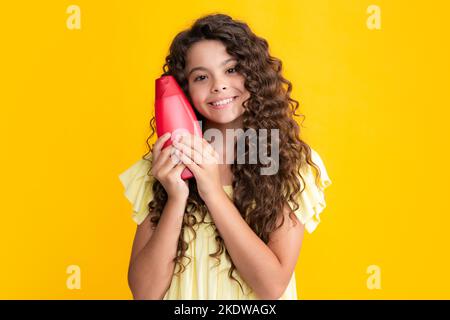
(259, 198)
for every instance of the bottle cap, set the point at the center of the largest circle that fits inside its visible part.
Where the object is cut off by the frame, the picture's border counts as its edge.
(166, 86)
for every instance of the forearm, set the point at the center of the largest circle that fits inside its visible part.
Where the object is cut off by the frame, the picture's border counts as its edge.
(151, 272)
(255, 261)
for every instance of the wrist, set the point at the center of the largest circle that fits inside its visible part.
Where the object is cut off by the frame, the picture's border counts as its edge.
(214, 197)
(176, 206)
(177, 199)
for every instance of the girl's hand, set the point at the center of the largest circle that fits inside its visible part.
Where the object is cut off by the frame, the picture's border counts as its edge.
(203, 161)
(167, 168)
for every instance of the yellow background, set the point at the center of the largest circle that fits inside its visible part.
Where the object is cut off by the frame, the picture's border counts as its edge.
(75, 111)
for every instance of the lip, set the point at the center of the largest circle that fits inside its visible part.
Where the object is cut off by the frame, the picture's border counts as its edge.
(223, 105)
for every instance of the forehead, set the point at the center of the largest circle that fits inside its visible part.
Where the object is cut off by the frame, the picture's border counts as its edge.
(206, 53)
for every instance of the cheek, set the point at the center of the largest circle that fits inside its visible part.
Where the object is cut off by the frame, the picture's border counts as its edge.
(245, 94)
(240, 84)
(197, 95)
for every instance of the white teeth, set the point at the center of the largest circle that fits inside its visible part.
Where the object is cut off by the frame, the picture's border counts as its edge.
(222, 102)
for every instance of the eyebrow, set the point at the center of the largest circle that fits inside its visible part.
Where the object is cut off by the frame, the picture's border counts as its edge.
(205, 69)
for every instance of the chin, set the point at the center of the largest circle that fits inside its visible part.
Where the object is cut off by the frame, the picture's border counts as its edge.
(222, 117)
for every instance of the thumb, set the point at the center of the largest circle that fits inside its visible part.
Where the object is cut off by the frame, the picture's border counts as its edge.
(179, 168)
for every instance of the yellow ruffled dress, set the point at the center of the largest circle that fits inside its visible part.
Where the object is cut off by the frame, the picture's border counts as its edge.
(202, 278)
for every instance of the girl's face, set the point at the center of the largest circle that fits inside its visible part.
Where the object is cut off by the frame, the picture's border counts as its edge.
(216, 89)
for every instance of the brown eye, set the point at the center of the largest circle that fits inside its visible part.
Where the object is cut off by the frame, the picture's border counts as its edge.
(198, 78)
(232, 70)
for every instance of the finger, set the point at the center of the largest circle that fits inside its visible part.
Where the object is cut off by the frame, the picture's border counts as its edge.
(212, 147)
(174, 158)
(202, 151)
(159, 144)
(194, 155)
(211, 153)
(208, 149)
(168, 161)
(196, 143)
(179, 168)
(163, 156)
(188, 162)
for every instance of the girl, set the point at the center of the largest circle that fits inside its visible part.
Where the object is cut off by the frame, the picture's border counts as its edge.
(230, 233)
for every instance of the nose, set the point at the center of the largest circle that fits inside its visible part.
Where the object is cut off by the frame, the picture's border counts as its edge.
(219, 86)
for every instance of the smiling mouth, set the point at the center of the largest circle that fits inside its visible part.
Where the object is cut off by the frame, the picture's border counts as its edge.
(222, 103)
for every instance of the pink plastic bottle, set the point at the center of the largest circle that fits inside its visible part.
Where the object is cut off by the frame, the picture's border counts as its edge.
(173, 113)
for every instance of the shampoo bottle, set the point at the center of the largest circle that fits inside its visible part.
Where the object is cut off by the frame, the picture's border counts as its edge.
(173, 113)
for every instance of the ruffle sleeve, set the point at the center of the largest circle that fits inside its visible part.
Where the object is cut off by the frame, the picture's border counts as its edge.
(312, 200)
(138, 182)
